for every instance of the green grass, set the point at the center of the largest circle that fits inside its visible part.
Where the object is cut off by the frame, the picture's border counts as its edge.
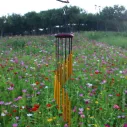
(111, 38)
(98, 85)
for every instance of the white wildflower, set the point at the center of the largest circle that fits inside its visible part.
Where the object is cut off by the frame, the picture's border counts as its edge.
(3, 114)
(89, 85)
(46, 87)
(34, 84)
(29, 114)
(120, 72)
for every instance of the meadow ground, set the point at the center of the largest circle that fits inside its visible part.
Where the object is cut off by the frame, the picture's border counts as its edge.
(97, 88)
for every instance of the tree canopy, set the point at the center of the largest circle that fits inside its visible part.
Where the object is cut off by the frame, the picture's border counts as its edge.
(54, 20)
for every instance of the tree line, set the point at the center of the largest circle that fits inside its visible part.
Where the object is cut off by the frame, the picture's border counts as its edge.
(69, 19)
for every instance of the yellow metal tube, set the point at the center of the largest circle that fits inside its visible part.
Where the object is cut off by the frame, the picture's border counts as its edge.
(59, 95)
(55, 87)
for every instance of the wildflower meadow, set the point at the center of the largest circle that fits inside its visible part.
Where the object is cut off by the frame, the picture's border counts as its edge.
(97, 88)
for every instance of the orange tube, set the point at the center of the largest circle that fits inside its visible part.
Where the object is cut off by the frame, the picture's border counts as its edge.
(59, 95)
(55, 87)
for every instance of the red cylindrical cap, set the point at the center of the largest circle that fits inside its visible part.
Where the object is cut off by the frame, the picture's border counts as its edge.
(64, 35)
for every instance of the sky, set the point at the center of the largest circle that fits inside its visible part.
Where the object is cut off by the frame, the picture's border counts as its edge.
(7, 7)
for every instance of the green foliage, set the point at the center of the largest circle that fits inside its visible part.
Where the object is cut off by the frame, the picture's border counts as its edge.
(18, 44)
(27, 78)
(54, 20)
(112, 38)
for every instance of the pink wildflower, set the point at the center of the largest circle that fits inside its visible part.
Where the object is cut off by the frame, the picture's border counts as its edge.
(125, 125)
(66, 125)
(107, 125)
(116, 107)
(15, 125)
(74, 110)
(82, 116)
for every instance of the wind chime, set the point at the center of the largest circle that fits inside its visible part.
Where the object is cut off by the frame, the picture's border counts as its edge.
(63, 72)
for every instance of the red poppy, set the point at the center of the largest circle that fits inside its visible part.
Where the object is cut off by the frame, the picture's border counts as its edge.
(97, 72)
(117, 94)
(14, 110)
(34, 109)
(36, 105)
(15, 73)
(37, 83)
(100, 108)
(46, 78)
(9, 114)
(12, 85)
(40, 87)
(48, 105)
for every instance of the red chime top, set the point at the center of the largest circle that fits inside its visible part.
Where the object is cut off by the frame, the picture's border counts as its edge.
(64, 35)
